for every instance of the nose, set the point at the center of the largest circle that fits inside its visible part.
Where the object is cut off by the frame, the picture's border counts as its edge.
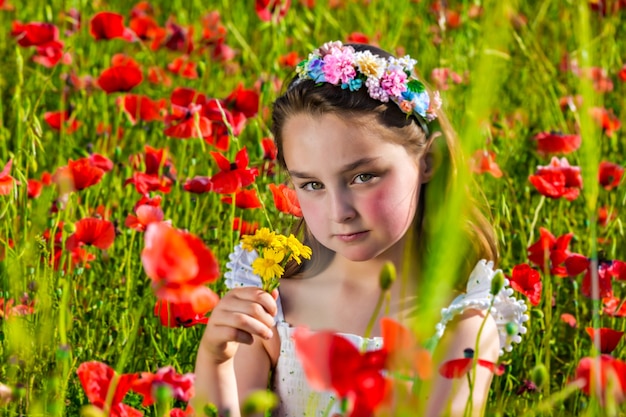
(341, 206)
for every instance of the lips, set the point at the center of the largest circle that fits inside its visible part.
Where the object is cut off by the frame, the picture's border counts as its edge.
(351, 237)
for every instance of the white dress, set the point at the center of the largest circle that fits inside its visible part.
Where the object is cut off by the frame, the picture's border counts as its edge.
(289, 382)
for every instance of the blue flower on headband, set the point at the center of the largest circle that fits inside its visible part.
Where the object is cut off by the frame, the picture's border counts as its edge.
(314, 70)
(353, 85)
(420, 101)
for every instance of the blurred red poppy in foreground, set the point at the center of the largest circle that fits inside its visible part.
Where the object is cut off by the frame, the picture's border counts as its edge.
(552, 250)
(179, 265)
(181, 386)
(144, 215)
(285, 199)
(527, 281)
(610, 369)
(96, 378)
(404, 353)
(6, 181)
(554, 142)
(456, 368)
(179, 314)
(558, 179)
(332, 362)
(484, 161)
(609, 338)
(610, 175)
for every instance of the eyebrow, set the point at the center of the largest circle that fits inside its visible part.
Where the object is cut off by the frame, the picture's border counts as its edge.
(346, 168)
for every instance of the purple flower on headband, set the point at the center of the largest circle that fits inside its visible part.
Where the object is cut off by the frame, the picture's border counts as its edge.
(314, 70)
(339, 65)
(375, 91)
(394, 83)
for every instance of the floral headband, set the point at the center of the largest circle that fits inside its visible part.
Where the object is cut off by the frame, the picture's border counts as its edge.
(385, 78)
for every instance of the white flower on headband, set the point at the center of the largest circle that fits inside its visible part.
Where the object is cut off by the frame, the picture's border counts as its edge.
(385, 78)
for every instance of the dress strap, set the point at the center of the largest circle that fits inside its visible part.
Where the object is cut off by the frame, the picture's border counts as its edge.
(507, 311)
(240, 274)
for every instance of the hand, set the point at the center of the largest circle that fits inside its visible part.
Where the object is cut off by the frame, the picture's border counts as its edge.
(239, 316)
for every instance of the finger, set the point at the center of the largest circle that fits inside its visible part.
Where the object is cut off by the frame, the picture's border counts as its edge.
(256, 295)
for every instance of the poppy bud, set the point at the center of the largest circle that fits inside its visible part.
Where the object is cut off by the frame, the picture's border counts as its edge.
(539, 375)
(536, 313)
(163, 395)
(259, 402)
(497, 283)
(387, 276)
(69, 228)
(210, 410)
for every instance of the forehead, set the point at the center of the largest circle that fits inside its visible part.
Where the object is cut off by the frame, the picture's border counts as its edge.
(334, 141)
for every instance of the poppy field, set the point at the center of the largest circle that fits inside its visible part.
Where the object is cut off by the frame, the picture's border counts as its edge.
(135, 152)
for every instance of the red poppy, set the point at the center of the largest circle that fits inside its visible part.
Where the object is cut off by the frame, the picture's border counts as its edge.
(109, 25)
(576, 264)
(552, 250)
(78, 175)
(178, 38)
(138, 107)
(484, 161)
(404, 354)
(144, 215)
(331, 362)
(34, 33)
(243, 101)
(235, 176)
(101, 161)
(244, 199)
(271, 9)
(157, 75)
(611, 369)
(617, 269)
(145, 27)
(609, 338)
(222, 52)
(120, 78)
(91, 231)
(571, 102)
(144, 183)
(157, 161)
(34, 188)
(179, 265)
(179, 314)
(285, 199)
(558, 179)
(50, 54)
(606, 215)
(610, 175)
(192, 124)
(184, 67)
(290, 60)
(606, 119)
(527, 281)
(9, 309)
(216, 111)
(198, 185)
(569, 319)
(554, 142)
(58, 120)
(613, 306)
(96, 378)
(456, 368)
(6, 181)
(622, 73)
(357, 37)
(181, 386)
(213, 31)
(244, 227)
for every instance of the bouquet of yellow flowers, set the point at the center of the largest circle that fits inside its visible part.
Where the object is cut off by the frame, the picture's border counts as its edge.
(274, 250)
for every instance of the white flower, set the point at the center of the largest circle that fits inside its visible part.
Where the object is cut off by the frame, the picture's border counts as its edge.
(369, 64)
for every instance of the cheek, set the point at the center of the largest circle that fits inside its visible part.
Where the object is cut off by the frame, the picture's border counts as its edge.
(395, 206)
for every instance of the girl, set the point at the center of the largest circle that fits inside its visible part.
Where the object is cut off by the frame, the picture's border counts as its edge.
(352, 130)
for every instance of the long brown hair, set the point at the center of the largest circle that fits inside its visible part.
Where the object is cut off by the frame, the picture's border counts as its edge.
(305, 96)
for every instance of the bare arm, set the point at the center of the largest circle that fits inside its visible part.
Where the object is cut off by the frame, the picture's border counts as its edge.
(449, 396)
(232, 358)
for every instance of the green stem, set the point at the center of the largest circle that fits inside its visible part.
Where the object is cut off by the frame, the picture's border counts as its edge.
(372, 321)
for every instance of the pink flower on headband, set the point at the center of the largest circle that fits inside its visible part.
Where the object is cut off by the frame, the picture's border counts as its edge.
(339, 65)
(393, 83)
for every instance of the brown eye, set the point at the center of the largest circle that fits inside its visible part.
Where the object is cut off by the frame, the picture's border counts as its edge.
(363, 178)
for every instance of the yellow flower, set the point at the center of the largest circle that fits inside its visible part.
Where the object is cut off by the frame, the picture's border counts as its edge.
(268, 266)
(261, 239)
(297, 249)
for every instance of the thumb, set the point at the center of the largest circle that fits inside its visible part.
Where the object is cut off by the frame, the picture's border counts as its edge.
(274, 293)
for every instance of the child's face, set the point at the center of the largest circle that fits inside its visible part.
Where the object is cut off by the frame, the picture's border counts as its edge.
(357, 189)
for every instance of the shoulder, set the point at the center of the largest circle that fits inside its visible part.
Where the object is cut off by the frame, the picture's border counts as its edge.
(506, 314)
